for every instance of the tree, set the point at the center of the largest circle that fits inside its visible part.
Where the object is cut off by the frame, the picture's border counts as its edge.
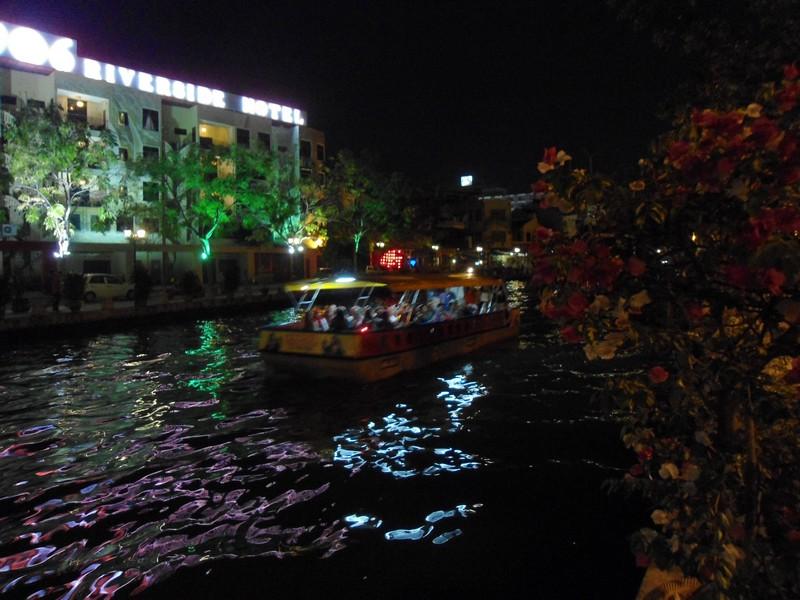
(357, 200)
(728, 50)
(280, 207)
(695, 269)
(54, 163)
(174, 174)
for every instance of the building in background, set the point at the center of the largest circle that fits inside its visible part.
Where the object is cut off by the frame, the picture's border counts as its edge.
(146, 112)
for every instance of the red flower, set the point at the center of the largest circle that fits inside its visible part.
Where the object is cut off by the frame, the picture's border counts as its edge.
(544, 234)
(636, 470)
(737, 275)
(787, 97)
(725, 167)
(658, 375)
(550, 155)
(766, 133)
(575, 275)
(544, 273)
(578, 248)
(773, 280)
(576, 305)
(636, 266)
(645, 455)
(788, 147)
(790, 72)
(695, 312)
(535, 249)
(677, 152)
(642, 560)
(540, 187)
(570, 335)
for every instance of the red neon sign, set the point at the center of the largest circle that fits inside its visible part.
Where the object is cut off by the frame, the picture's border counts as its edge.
(392, 259)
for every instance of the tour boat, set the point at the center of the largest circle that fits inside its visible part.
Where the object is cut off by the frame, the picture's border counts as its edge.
(455, 314)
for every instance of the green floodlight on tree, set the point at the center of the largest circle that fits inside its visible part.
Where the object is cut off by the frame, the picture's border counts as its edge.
(206, 253)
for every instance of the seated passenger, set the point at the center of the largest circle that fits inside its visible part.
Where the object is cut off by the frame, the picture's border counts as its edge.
(339, 321)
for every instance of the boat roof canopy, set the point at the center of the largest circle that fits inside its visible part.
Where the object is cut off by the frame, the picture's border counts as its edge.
(396, 282)
(340, 283)
(436, 281)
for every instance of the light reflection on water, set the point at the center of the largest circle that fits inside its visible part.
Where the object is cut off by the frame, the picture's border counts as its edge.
(126, 457)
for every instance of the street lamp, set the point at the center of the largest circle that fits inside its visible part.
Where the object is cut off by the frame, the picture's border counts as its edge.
(479, 248)
(131, 235)
(295, 245)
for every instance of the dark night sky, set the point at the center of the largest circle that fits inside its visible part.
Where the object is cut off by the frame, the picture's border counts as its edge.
(434, 89)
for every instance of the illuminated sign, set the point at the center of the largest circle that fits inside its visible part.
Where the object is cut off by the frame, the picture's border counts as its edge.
(466, 180)
(32, 47)
(392, 260)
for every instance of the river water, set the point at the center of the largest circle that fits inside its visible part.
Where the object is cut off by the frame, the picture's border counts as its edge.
(163, 462)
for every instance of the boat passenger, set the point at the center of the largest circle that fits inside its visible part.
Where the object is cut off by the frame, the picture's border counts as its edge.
(320, 322)
(339, 321)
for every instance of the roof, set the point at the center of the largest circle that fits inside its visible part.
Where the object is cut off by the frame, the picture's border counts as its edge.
(338, 283)
(431, 281)
(399, 282)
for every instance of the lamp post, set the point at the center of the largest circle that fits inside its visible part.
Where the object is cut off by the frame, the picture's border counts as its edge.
(295, 245)
(131, 235)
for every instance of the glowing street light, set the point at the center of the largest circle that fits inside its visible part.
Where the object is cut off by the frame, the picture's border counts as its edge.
(435, 248)
(479, 248)
(380, 244)
(131, 235)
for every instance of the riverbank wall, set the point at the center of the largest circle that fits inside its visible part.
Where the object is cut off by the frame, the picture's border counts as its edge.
(41, 320)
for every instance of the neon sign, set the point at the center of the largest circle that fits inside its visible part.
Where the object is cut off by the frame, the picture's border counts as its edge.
(32, 47)
(392, 260)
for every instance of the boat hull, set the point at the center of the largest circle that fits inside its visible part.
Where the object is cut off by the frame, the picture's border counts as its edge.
(353, 365)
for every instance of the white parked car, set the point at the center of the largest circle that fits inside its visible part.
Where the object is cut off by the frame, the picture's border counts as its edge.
(103, 285)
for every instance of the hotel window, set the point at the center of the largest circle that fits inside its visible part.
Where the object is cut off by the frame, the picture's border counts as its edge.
(264, 141)
(305, 149)
(320, 152)
(282, 148)
(36, 104)
(149, 119)
(75, 221)
(124, 223)
(9, 100)
(180, 131)
(243, 137)
(123, 119)
(150, 191)
(123, 154)
(150, 152)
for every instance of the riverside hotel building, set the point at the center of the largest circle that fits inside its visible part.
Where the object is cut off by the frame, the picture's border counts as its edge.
(147, 113)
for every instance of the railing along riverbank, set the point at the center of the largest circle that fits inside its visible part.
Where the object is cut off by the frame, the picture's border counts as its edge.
(41, 319)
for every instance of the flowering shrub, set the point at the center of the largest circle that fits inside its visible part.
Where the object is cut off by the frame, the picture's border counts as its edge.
(694, 267)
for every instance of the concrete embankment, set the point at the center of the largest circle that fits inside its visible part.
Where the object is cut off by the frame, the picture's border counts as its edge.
(41, 320)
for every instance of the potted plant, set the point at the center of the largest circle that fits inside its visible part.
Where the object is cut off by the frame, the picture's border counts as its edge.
(72, 290)
(142, 285)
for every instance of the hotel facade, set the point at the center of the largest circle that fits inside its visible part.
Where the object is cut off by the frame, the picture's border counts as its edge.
(148, 115)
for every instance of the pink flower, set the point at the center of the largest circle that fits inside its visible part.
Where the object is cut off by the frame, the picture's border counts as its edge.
(658, 375)
(576, 305)
(773, 280)
(570, 335)
(636, 266)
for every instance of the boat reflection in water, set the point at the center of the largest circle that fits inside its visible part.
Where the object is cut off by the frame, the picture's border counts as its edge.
(376, 328)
